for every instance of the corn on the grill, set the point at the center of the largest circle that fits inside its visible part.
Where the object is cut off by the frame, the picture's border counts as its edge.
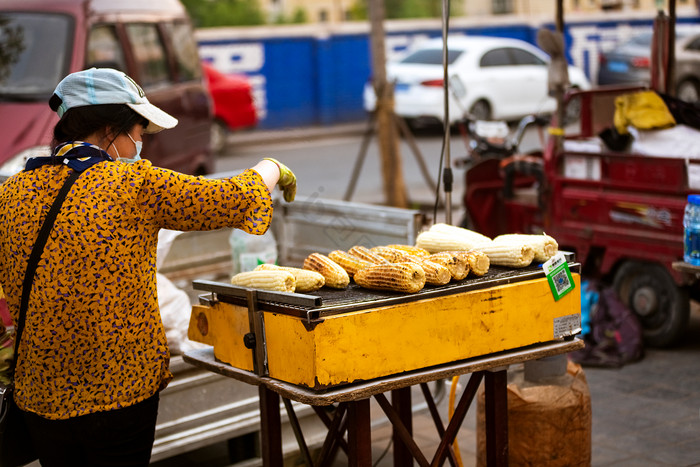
(457, 265)
(306, 281)
(436, 242)
(335, 276)
(279, 281)
(363, 252)
(349, 262)
(399, 277)
(390, 254)
(413, 250)
(512, 255)
(469, 236)
(478, 262)
(545, 246)
(435, 274)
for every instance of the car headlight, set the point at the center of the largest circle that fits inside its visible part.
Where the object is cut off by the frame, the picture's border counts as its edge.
(17, 163)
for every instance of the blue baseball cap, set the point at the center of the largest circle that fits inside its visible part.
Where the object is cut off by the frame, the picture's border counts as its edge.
(97, 86)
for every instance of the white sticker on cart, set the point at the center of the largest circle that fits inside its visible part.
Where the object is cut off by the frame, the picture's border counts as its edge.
(568, 325)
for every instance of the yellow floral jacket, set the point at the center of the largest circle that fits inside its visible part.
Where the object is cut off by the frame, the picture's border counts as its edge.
(93, 338)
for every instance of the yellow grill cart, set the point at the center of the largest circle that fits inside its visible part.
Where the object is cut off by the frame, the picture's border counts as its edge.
(347, 346)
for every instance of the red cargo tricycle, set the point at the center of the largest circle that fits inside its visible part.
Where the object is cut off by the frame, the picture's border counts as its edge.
(620, 211)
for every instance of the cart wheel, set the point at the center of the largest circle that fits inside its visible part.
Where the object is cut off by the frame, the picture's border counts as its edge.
(663, 308)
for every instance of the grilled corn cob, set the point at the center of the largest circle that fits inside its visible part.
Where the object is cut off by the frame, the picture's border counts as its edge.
(436, 242)
(435, 274)
(390, 254)
(335, 276)
(457, 265)
(349, 262)
(468, 236)
(306, 281)
(478, 262)
(279, 281)
(413, 250)
(512, 255)
(545, 246)
(399, 277)
(363, 252)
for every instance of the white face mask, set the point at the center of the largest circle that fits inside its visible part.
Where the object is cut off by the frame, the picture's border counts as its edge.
(137, 156)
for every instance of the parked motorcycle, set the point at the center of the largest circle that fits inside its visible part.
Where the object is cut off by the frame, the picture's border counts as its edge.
(495, 167)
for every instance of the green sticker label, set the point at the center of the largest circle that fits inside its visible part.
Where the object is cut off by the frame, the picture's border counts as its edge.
(559, 276)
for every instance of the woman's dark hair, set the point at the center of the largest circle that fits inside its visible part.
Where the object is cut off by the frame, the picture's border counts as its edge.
(80, 122)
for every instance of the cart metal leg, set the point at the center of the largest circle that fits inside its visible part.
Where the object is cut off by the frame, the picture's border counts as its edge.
(359, 434)
(496, 414)
(401, 401)
(270, 428)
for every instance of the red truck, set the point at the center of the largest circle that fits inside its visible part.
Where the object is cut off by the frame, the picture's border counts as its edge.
(620, 211)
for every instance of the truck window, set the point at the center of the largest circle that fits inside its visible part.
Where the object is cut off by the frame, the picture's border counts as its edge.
(104, 49)
(149, 53)
(35, 53)
(185, 49)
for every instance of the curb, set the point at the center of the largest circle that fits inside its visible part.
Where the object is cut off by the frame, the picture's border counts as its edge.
(254, 136)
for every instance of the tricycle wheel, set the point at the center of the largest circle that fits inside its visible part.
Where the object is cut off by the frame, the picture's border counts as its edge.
(663, 308)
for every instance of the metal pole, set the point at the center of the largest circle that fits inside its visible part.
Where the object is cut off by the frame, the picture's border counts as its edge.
(447, 169)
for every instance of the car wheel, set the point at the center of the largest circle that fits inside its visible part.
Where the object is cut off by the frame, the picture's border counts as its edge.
(688, 91)
(481, 110)
(663, 308)
(219, 134)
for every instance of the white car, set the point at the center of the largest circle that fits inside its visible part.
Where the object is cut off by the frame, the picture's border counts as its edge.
(490, 78)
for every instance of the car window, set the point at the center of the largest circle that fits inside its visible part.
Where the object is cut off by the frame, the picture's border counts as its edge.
(34, 53)
(432, 56)
(524, 57)
(186, 53)
(496, 57)
(151, 61)
(104, 48)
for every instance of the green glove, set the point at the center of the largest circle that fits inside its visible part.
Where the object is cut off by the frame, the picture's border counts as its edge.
(287, 181)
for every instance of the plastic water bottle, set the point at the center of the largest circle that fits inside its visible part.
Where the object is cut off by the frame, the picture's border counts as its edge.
(691, 227)
(248, 251)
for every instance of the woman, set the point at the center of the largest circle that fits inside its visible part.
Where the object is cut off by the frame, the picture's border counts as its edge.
(94, 356)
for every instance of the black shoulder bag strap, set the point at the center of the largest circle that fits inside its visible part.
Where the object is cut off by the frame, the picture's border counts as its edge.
(34, 257)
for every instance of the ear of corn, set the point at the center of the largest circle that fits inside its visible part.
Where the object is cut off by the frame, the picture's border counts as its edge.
(349, 262)
(435, 242)
(279, 281)
(479, 262)
(457, 265)
(363, 252)
(391, 255)
(306, 280)
(435, 274)
(399, 277)
(545, 246)
(413, 250)
(336, 277)
(466, 235)
(512, 255)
